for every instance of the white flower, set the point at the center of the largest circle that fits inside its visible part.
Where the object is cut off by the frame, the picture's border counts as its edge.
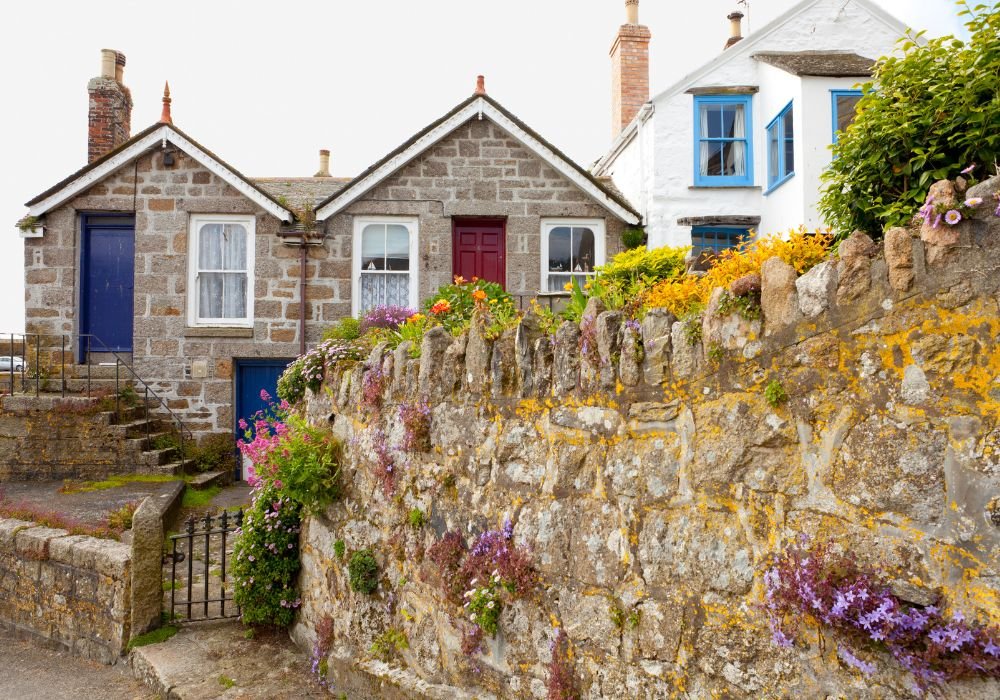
(973, 201)
(473, 582)
(472, 618)
(490, 605)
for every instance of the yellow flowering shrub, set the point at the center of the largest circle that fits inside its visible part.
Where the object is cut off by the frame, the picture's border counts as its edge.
(682, 295)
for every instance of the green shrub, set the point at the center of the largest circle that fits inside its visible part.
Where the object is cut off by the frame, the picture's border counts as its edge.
(633, 238)
(347, 328)
(214, 452)
(416, 518)
(266, 559)
(774, 393)
(926, 115)
(339, 548)
(656, 264)
(362, 571)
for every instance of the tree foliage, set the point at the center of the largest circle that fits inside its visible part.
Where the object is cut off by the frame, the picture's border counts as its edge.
(928, 113)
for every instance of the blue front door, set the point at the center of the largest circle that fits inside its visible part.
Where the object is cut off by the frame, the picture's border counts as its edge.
(108, 274)
(252, 377)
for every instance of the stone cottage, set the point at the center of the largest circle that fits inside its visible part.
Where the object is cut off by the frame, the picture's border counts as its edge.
(739, 143)
(210, 282)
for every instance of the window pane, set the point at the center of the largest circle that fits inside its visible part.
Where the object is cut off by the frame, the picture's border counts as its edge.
(786, 123)
(222, 295)
(713, 153)
(729, 116)
(847, 107)
(378, 289)
(222, 247)
(560, 240)
(583, 250)
(789, 157)
(711, 121)
(734, 160)
(373, 247)
(397, 247)
(773, 154)
(558, 282)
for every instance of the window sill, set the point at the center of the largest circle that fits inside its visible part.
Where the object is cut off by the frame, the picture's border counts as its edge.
(724, 187)
(217, 332)
(779, 183)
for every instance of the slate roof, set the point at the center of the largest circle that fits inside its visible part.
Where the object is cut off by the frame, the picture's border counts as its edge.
(301, 191)
(602, 185)
(831, 64)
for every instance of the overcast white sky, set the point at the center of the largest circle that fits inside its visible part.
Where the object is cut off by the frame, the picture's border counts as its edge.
(265, 85)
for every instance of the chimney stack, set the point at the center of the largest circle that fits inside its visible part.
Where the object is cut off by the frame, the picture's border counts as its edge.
(324, 164)
(109, 118)
(629, 69)
(735, 28)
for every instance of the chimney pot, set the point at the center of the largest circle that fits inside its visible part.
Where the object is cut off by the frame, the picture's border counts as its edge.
(120, 67)
(632, 11)
(324, 164)
(480, 85)
(735, 28)
(109, 57)
(165, 117)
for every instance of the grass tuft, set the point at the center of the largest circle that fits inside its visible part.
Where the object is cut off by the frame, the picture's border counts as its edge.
(199, 498)
(161, 634)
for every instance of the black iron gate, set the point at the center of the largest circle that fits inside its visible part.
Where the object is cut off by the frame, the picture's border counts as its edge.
(206, 538)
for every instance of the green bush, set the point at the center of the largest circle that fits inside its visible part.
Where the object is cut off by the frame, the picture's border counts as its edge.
(214, 452)
(266, 560)
(362, 571)
(636, 264)
(347, 328)
(926, 115)
(633, 238)
(774, 393)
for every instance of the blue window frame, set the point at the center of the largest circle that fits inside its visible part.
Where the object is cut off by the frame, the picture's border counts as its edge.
(845, 107)
(780, 148)
(723, 146)
(719, 237)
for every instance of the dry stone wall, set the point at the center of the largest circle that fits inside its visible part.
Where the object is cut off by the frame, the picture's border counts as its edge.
(650, 475)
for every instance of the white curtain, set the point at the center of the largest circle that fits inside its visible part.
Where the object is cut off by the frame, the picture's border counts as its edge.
(739, 147)
(706, 146)
(385, 260)
(222, 271)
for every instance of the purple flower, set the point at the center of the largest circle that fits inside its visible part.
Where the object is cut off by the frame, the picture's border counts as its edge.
(851, 660)
(969, 169)
(973, 201)
(952, 217)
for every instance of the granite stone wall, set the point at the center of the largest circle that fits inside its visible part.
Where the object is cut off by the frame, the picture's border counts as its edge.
(68, 590)
(650, 475)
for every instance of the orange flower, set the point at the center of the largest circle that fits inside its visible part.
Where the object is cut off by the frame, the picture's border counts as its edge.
(460, 280)
(474, 279)
(415, 318)
(441, 306)
(479, 295)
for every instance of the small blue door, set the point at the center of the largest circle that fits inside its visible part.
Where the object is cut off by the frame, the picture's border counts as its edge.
(108, 277)
(252, 377)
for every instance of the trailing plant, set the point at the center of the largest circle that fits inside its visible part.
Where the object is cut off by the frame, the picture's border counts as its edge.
(372, 388)
(309, 370)
(362, 572)
(774, 393)
(416, 420)
(266, 558)
(930, 109)
(385, 464)
(387, 645)
(812, 582)
(747, 306)
(485, 577)
(284, 451)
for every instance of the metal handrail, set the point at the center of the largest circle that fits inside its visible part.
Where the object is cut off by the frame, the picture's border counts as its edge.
(91, 340)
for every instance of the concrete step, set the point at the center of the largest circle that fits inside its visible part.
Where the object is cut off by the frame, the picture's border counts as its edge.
(177, 468)
(207, 479)
(154, 458)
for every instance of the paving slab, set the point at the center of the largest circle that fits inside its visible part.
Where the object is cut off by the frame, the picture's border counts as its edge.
(203, 660)
(90, 507)
(32, 672)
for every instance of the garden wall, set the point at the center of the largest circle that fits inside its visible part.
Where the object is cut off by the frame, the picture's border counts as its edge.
(50, 439)
(83, 594)
(652, 479)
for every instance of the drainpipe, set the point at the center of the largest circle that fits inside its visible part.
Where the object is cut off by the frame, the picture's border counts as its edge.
(302, 296)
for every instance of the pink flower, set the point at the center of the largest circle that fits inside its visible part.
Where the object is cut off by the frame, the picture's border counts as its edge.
(264, 396)
(952, 217)
(969, 169)
(243, 424)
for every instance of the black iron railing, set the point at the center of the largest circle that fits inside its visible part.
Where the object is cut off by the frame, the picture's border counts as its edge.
(21, 368)
(212, 587)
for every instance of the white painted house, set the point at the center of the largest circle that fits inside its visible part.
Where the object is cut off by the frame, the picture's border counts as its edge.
(739, 144)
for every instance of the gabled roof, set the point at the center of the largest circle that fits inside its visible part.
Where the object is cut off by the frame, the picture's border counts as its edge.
(829, 64)
(149, 138)
(746, 46)
(478, 106)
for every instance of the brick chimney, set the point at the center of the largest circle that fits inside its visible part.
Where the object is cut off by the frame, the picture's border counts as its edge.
(735, 28)
(629, 69)
(109, 121)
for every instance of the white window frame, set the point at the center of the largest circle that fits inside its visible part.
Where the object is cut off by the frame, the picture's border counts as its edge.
(412, 225)
(600, 241)
(248, 222)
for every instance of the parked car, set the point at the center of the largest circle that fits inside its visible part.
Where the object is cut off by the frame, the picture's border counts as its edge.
(8, 361)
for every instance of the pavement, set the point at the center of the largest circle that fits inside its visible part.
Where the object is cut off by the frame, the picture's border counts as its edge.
(31, 672)
(89, 507)
(209, 660)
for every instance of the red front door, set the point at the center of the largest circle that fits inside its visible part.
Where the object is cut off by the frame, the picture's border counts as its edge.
(478, 249)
